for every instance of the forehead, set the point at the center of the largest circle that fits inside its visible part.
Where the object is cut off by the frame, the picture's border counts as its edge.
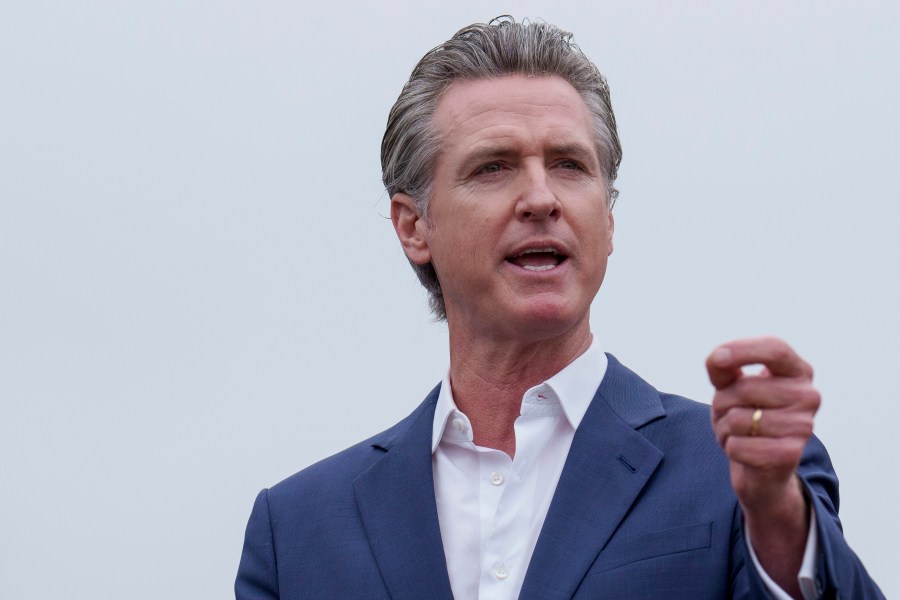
(512, 105)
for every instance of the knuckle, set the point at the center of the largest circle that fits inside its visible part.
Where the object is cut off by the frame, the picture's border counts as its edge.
(781, 352)
(816, 399)
(791, 452)
(723, 424)
(771, 340)
(716, 411)
(722, 438)
(780, 458)
(731, 447)
(806, 429)
(810, 396)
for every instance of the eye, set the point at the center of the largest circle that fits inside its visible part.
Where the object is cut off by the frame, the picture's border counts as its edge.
(490, 168)
(570, 165)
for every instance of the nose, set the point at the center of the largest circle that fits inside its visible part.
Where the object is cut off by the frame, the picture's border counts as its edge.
(537, 200)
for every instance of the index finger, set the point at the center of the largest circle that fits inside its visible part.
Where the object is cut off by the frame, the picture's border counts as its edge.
(725, 363)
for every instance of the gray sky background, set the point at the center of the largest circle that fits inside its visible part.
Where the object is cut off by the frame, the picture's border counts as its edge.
(201, 293)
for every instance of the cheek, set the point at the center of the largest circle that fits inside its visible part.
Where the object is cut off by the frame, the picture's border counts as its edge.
(460, 257)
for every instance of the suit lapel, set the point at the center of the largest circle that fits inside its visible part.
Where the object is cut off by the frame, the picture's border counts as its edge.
(608, 465)
(397, 505)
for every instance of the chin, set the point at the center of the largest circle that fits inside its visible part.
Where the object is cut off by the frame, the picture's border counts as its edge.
(548, 318)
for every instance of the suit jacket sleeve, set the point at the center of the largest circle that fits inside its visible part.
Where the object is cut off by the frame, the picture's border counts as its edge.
(257, 577)
(839, 572)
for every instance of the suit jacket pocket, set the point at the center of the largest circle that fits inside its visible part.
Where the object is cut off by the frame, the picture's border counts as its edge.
(653, 544)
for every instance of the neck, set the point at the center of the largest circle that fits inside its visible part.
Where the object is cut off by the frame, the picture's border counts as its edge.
(489, 377)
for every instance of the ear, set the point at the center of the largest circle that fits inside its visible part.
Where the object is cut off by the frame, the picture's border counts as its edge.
(411, 228)
(612, 228)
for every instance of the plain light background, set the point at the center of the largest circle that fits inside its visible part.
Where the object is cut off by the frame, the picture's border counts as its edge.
(201, 293)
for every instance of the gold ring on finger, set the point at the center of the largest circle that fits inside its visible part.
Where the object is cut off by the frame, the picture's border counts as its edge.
(755, 420)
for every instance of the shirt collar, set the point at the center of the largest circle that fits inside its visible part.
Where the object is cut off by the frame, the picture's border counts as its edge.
(573, 388)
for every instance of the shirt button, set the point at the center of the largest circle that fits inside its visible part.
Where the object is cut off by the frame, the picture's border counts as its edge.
(497, 478)
(500, 571)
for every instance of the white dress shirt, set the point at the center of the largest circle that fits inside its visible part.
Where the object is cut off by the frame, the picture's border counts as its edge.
(491, 508)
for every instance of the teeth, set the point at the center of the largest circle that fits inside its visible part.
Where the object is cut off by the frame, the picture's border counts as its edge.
(535, 250)
(541, 268)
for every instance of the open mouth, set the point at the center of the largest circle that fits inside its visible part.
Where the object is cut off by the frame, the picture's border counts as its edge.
(538, 259)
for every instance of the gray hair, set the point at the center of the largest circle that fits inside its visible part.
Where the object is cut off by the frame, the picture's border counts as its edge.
(484, 51)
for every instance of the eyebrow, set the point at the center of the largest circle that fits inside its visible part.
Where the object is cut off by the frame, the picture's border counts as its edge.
(491, 152)
(586, 154)
(482, 155)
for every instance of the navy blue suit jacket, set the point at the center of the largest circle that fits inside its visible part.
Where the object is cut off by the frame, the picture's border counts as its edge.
(643, 509)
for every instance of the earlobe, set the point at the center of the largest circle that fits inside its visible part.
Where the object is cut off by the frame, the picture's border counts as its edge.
(612, 228)
(410, 228)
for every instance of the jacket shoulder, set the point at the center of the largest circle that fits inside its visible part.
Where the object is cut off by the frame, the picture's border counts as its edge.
(336, 474)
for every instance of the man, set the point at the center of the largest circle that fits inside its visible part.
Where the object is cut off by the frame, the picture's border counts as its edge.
(541, 467)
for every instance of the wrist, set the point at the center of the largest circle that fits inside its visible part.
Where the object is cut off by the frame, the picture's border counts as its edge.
(778, 508)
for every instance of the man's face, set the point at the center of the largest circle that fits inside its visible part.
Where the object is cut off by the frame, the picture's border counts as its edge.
(518, 228)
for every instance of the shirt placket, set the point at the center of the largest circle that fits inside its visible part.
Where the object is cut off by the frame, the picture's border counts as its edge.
(496, 486)
(505, 533)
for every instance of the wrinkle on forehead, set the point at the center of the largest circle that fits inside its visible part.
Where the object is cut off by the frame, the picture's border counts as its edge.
(513, 116)
(464, 101)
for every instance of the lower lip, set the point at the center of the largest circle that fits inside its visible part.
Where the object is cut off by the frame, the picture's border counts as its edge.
(541, 271)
